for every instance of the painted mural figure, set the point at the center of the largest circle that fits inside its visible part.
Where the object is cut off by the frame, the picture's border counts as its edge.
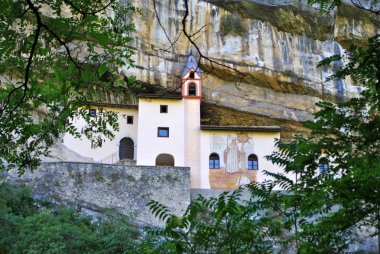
(242, 161)
(243, 180)
(231, 156)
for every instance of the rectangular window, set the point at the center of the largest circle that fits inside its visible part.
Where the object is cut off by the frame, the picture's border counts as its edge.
(163, 108)
(214, 164)
(163, 132)
(129, 119)
(253, 165)
(92, 112)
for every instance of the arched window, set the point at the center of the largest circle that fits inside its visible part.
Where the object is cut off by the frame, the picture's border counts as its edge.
(323, 165)
(165, 159)
(126, 149)
(192, 75)
(192, 90)
(214, 161)
(253, 162)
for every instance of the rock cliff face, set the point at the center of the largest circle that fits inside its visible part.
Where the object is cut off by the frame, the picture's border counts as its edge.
(276, 44)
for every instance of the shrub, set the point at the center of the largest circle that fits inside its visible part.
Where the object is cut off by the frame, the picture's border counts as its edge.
(32, 226)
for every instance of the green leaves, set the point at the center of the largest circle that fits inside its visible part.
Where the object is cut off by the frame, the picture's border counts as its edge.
(225, 224)
(33, 226)
(102, 69)
(159, 210)
(325, 5)
(328, 206)
(53, 59)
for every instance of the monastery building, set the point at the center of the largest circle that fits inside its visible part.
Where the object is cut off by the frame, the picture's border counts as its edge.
(166, 130)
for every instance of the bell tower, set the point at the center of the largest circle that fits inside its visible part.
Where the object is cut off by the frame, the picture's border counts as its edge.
(191, 80)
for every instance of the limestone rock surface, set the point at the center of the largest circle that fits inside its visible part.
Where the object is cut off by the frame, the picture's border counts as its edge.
(276, 44)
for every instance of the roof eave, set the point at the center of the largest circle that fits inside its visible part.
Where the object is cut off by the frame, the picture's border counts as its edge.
(160, 96)
(112, 105)
(242, 128)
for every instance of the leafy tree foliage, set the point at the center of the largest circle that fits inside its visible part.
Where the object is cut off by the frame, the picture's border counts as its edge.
(32, 226)
(318, 211)
(367, 5)
(225, 224)
(54, 57)
(331, 204)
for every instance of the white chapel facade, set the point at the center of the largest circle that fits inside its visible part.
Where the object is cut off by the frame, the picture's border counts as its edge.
(166, 130)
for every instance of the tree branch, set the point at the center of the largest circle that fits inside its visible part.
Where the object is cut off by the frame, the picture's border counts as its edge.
(84, 13)
(201, 55)
(359, 5)
(159, 22)
(24, 85)
(63, 44)
(200, 29)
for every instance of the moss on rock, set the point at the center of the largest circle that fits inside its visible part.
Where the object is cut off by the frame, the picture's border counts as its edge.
(352, 12)
(233, 24)
(261, 79)
(286, 18)
(307, 21)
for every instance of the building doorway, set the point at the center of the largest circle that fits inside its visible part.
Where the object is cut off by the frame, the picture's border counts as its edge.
(126, 149)
(165, 159)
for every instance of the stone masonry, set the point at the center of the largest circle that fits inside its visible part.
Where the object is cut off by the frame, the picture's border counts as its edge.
(97, 187)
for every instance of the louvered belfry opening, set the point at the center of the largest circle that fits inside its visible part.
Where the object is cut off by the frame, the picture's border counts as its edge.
(126, 149)
(192, 90)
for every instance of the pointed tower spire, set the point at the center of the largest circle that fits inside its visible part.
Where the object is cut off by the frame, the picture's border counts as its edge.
(191, 63)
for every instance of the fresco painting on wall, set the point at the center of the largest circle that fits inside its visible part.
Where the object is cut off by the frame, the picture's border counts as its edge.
(233, 151)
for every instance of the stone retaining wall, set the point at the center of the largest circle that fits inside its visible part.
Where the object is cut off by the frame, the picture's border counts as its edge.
(97, 187)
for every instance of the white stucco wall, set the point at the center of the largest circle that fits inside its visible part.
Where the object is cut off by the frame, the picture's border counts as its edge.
(186, 142)
(192, 140)
(150, 146)
(109, 152)
(263, 144)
